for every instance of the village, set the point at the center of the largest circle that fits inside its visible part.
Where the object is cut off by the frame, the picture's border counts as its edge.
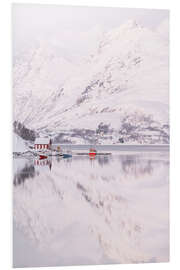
(44, 148)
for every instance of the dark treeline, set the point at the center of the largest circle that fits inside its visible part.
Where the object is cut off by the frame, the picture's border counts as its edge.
(24, 132)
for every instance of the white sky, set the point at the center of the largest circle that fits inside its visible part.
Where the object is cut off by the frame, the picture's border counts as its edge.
(73, 29)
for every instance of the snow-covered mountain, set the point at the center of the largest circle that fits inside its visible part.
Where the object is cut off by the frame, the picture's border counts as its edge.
(123, 85)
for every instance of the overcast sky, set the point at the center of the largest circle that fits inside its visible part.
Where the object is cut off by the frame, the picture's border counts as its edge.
(73, 28)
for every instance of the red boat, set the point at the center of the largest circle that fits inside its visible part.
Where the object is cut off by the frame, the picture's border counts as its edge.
(42, 156)
(92, 152)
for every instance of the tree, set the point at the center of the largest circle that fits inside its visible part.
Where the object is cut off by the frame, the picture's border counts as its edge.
(24, 132)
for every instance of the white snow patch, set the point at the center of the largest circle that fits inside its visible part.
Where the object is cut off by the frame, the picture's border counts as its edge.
(19, 144)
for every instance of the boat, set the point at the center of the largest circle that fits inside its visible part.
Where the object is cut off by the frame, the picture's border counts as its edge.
(42, 157)
(92, 152)
(66, 155)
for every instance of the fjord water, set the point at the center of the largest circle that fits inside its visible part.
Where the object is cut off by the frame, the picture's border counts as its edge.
(81, 210)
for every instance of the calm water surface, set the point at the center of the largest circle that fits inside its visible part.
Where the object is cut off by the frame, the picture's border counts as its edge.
(110, 209)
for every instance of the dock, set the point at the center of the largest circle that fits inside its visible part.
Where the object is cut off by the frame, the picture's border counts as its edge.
(97, 154)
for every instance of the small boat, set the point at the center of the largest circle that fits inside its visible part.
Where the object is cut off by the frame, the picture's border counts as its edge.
(92, 152)
(67, 155)
(42, 157)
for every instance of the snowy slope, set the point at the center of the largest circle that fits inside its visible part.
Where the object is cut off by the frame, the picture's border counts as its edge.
(38, 74)
(128, 74)
(19, 144)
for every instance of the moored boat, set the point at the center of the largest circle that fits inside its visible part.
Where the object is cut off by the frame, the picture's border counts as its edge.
(42, 157)
(67, 155)
(92, 152)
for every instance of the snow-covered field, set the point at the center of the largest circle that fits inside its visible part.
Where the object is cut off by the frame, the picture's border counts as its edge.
(113, 209)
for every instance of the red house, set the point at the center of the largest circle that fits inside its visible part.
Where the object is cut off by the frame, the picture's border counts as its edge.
(42, 144)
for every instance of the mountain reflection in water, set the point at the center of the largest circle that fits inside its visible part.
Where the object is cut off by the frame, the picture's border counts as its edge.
(114, 208)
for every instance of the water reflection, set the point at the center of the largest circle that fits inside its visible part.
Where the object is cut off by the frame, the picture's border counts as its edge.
(43, 163)
(136, 166)
(28, 172)
(95, 205)
(103, 160)
(128, 164)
